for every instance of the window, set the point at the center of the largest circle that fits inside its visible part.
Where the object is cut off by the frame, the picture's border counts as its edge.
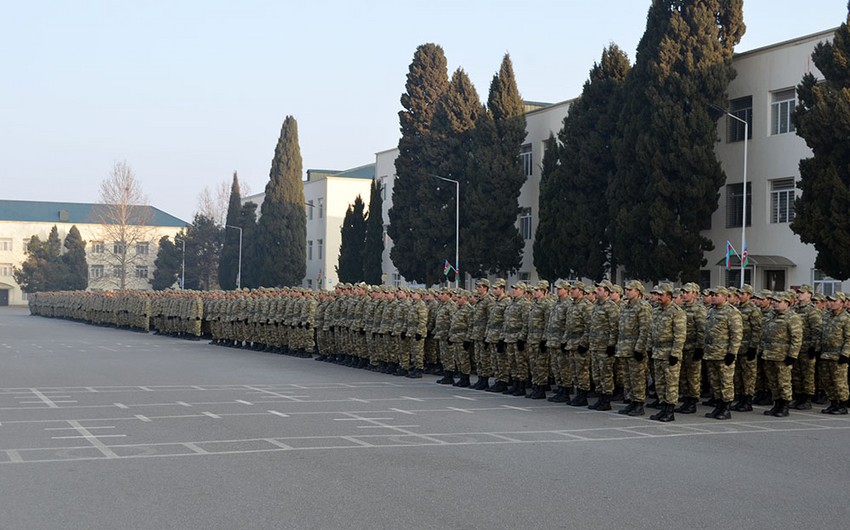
(309, 210)
(774, 280)
(383, 188)
(5, 269)
(97, 247)
(309, 250)
(735, 204)
(5, 244)
(117, 272)
(524, 276)
(825, 284)
(321, 203)
(704, 279)
(96, 272)
(781, 106)
(141, 271)
(396, 279)
(309, 283)
(525, 223)
(118, 247)
(525, 157)
(733, 277)
(142, 249)
(321, 248)
(782, 200)
(743, 109)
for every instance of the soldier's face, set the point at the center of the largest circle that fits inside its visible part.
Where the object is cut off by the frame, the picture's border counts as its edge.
(804, 296)
(632, 294)
(780, 305)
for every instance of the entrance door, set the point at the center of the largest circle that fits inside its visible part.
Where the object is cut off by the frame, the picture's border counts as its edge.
(4, 297)
(774, 280)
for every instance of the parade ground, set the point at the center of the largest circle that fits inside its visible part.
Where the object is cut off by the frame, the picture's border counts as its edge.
(103, 428)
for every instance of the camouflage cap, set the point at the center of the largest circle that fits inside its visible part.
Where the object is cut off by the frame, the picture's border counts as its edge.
(500, 282)
(617, 289)
(662, 288)
(562, 284)
(519, 285)
(690, 287)
(764, 294)
(780, 296)
(542, 284)
(605, 284)
(746, 288)
(837, 296)
(483, 282)
(635, 284)
(719, 290)
(578, 284)
(819, 297)
(805, 288)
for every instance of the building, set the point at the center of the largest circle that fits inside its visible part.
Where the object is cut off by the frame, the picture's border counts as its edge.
(763, 93)
(20, 220)
(327, 196)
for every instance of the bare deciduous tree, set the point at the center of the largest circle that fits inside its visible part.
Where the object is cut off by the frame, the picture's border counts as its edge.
(126, 224)
(213, 204)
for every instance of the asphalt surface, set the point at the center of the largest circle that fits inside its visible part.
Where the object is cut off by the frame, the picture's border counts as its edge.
(103, 428)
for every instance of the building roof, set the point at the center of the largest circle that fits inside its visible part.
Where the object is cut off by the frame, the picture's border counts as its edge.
(362, 172)
(69, 212)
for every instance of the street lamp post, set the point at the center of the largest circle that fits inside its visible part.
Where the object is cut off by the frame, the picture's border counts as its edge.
(457, 224)
(183, 266)
(744, 197)
(239, 271)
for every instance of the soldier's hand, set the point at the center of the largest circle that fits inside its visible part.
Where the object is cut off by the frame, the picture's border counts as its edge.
(300, 325)
(362, 332)
(751, 354)
(308, 326)
(500, 346)
(404, 334)
(673, 360)
(842, 359)
(811, 352)
(638, 355)
(729, 360)
(819, 354)
(332, 329)
(520, 345)
(466, 345)
(789, 360)
(543, 347)
(610, 351)
(418, 337)
(582, 349)
(699, 353)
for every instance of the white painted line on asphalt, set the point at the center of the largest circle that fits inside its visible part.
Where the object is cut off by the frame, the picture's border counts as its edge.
(182, 404)
(506, 438)
(88, 437)
(276, 394)
(121, 406)
(573, 436)
(74, 429)
(91, 389)
(629, 431)
(195, 448)
(363, 419)
(395, 427)
(467, 398)
(750, 425)
(14, 456)
(40, 395)
(100, 446)
(196, 387)
(403, 411)
(278, 444)
(356, 441)
(67, 401)
(211, 415)
(359, 400)
(281, 414)
(516, 408)
(411, 398)
(807, 424)
(460, 410)
(143, 418)
(244, 402)
(146, 389)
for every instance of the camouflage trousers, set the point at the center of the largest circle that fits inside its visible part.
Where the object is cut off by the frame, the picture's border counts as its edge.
(519, 361)
(690, 375)
(447, 358)
(803, 374)
(745, 375)
(603, 371)
(778, 379)
(482, 359)
(462, 358)
(634, 378)
(500, 363)
(721, 378)
(667, 381)
(836, 380)
(417, 353)
(579, 370)
(432, 355)
(561, 365)
(539, 363)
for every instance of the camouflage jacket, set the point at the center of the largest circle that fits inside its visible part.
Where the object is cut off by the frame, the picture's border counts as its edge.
(835, 339)
(633, 328)
(603, 329)
(516, 320)
(496, 320)
(782, 336)
(669, 332)
(696, 315)
(723, 332)
(812, 325)
(538, 318)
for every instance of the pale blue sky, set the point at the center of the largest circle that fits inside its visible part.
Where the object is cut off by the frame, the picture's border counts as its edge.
(187, 91)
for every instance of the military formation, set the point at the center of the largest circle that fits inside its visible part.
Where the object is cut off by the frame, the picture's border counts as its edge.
(736, 348)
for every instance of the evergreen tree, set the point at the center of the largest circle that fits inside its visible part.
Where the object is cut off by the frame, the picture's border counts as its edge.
(203, 247)
(822, 118)
(76, 269)
(248, 223)
(229, 263)
(373, 248)
(168, 264)
(550, 238)
(666, 184)
(34, 274)
(281, 239)
(417, 215)
(573, 207)
(353, 232)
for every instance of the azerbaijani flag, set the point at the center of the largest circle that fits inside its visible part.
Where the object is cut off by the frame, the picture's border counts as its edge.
(745, 255)
(446, 268)
(730, 250)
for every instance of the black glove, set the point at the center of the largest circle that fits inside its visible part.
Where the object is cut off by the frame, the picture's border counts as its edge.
(308, 325)
(699, 353)
(543, 347)
(362, 332)
(751, 354)
(842, 359)
(418, 337)
(812, 353)
(581, 349)
(729, 360)
(300, 324)
(638, 355)
(520, 345)
(673, 360)
(819, 354)
(500, 346)
(466, 345)
(610, 351)
(332, 329)
(789, 360)
(404, 334)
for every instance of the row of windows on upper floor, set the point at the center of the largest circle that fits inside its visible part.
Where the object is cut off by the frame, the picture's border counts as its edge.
(319, 206)
(782, 105)
(320, 247)
(95, 247)
(781, 202)
(97, 272)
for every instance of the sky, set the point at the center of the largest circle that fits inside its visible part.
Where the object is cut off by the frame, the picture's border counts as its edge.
(188, 91)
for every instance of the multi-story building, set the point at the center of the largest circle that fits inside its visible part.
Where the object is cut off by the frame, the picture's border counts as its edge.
(763, 93)
(327, 196)
(109, 260)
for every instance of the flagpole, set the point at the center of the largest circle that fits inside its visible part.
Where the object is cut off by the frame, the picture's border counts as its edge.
(457, 224)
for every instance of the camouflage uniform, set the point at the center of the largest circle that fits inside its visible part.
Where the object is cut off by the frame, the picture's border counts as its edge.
(691, 371)
(538, 353)
(633, 334)
(803, 371)
(835, 341)
(603, 344)
(669, 333)
(723, 334)
(747, 365)
(781, 342)
(459, 337)
(554, 335)
(441, 334)
(576, 342)
(515, 333)
(479, 331)
(417, 328)
(495, 341)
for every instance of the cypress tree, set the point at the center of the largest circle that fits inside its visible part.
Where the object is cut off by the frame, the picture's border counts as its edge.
(229, 263)
(416, 215)
(76, 269)
(282, 229)
(248, 222)
(168, 264)
(822, 118)
(353, 232)
(550, 238)
(373, 248)
(34, 274)
(666, 184)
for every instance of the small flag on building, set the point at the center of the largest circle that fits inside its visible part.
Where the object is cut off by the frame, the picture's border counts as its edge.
(730, 250)
(319, 276)
(745, 256)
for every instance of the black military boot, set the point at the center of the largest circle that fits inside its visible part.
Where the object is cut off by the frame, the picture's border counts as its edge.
(745, 405)
(833, 404)
(483, 383)
(606, 403)
(718, 407)
(538, 393)
(498, 387)
(463, 382)
(519, 391)
(724, 412)
(448, 378)
(562, 395)
(668, 415)
(637, 409)
(416, 373)
(820, 397)
(782, 410)
(401, 372)
(712, 402)
(765, 399)
(660, 414)
(804, 402)
(688, 406)
(598, 403)
(772, 411)
(511, 388)
(558, 392)
(655, 404)
(841, 409)
(630, 407)
(580, 399)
